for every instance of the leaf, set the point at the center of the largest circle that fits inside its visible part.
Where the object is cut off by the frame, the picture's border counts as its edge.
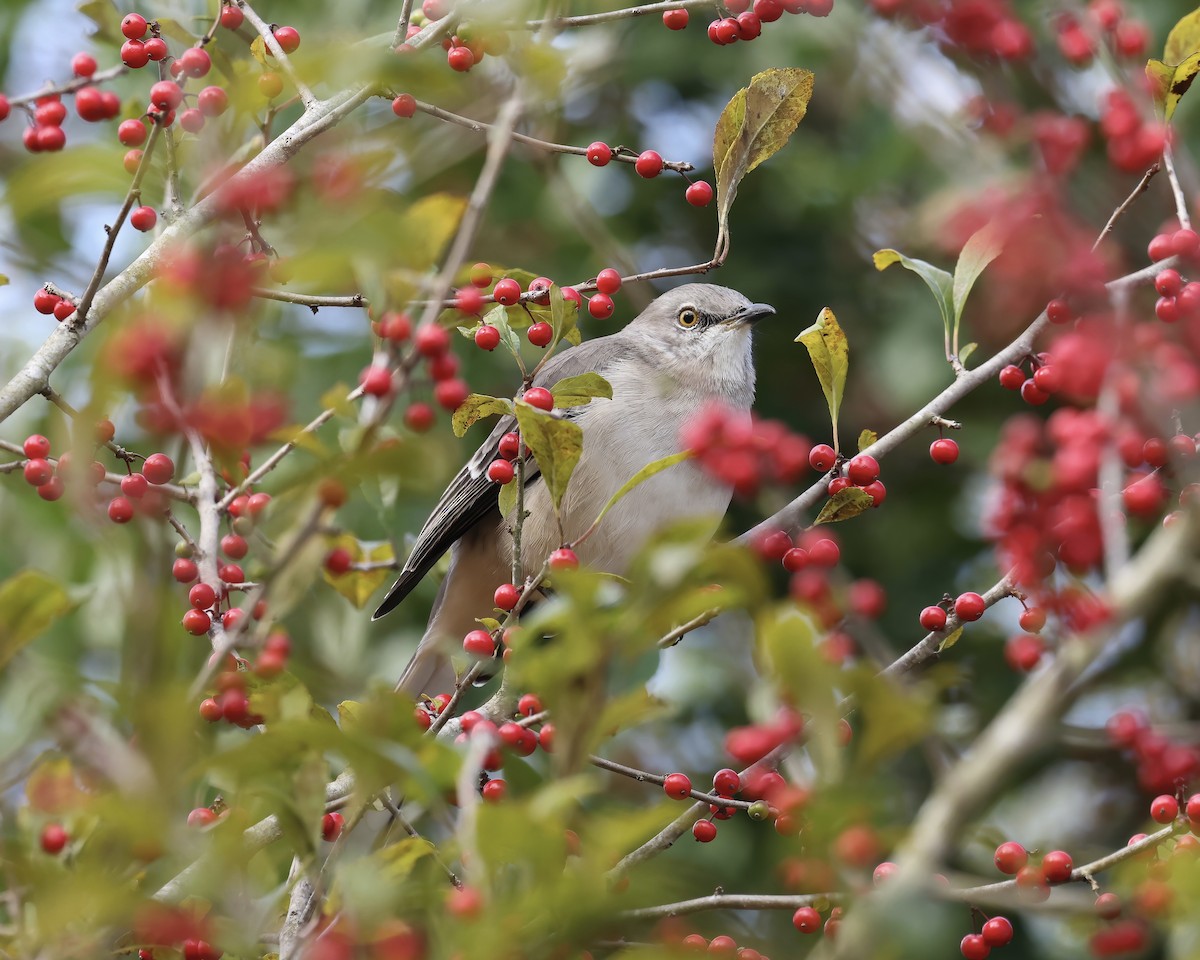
(30, 602)
(106, 17)
(580, 390)
(476, 407)
(176, 31)
(508, 499)
(843, 505)
(982, 248)
(556, 444)
(937, 279)
(427, 226)
(965, 353)
(830, 353)
(297, 436)
(358, 585)
(258, 50)
(1184, 39)
(755, 124)
(4, 281)
(498, 318)
(1170, 83)
(866, 439)
(648, 471)
(564, 315)
(950, 640)
(335, 399)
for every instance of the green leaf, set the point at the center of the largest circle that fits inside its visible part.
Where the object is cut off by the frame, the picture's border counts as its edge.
(950, 640)
(965, 353)
(580, 390)
(843, 505)
(866, 439)
(564, 315)
(30, 602)
(755, 124)
(498, 318)
(830, 353)
(648, 471)
(176, 31)
(508, 499)
(1169, 83)
(106, 17)
(982, 248)
(476, 407)
(937, 279)
(556, 444)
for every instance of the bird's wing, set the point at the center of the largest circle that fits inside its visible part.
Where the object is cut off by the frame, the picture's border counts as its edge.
(471, 496)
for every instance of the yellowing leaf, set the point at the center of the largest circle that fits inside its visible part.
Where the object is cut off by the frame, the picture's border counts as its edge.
(30, 601)
(427, 226)
(1184, 39)
(508, 499)
(754, 125)
(564, 316)
(830, 353)
(950, 640)
(579, 390)
(358, 585)
(476, 407)
(556, 444)
(843, 505)
(866, 438)
(258, 50)
(938, 280)
(335, 399)
(296, 435)
(1169, 83)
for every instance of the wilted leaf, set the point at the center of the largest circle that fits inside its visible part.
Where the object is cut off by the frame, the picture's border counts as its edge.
(938, 280)
(950, 640)
(754, 125)
(866, 439)
(649, 470)
(358, 585)
(580, 390)
(1170, 82)
(30, 601)
(830, 353)
(982, 248)
(843, 505)
(556, 444)
(476, 407)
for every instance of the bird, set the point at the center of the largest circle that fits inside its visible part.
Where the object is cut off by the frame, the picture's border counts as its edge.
(689, 349)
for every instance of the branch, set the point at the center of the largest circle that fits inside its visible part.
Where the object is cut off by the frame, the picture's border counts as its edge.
(70, 86)
(643, 776)
(312, 302)
(285, 64)
(1181, 210)
(1141, 188)
(627, 13)
(674, 636)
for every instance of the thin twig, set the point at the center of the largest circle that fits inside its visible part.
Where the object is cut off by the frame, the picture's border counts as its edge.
(70, 86)
(672, 637)
(307, 300)
(643, 776)
(1141, 188)
(1181, 210)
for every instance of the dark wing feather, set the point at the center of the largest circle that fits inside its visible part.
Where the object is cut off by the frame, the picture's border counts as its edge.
(471, 496)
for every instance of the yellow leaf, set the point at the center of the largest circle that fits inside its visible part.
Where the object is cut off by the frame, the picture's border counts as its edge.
(258, 50)
(358, 585)
(1184, 39)
(30, 601)
(950, 640)
(830, 353)
(427, 226)
(1170, 83)
(476, 407)
(843, 505)
(335, 399)
(866, 438)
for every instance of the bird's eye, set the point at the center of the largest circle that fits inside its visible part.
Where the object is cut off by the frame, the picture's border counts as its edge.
(688, 317)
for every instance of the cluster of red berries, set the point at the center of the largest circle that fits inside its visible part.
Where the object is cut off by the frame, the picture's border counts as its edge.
(206, 600)
(860, 471)
(719, 946)
(1060, 140)
(982, 28)
(1105, 20)
(996, 932)
(431, 342)
(746, 19)
(1133, 142)
(231, 701)
(46, 302)
(1033, 881)
(649, 164)
(1161, 763)
(743, 451)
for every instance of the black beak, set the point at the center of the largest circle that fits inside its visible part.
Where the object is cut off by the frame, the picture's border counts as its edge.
(752, 313)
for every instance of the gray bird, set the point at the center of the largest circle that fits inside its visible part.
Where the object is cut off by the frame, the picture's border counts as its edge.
(690, 347)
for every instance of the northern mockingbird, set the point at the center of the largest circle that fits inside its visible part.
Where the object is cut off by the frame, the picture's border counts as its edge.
(689, 348)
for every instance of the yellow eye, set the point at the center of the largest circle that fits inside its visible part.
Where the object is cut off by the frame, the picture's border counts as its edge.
(688, 317)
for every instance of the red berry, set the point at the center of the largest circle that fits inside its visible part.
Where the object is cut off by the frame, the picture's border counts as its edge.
(933, 619)
(192, 120)
(405, 106)
(806, 920)
(493, 791)
(53, 839)
(432, 340)
(677, 786)
(450, 394)
(1164, 809)
(540, 334)
(1059, 311)
(563, 558)
(507, 291)
(1010, 857)
(1168, 283)
(943, 451)
(506, 596)
(44, 301)
(500, 471)
(36, 446)
(539, 397)
(727, 782)
(143, 218)
(699, 194)
(649, 164)
(705, 831)
(487, 337)
(231, 16)
(824, 553)
(1023, 651)
(195, 62)
(1012, 377)
(166, 95)
(608, 281)
(822, 457)
(862, 470)
(331, 826)
(749, 26)
(1185, 243)
(460, 59)
(376, 381)
(338, 561)
(1108, 906)
(202, 596)
(38, 472)
(212, 101)
(419, 417)
(974, 947)
(134, 26)
(1160, 247)
(288, 38)
(479, 643)
(969, 606)
(120, 510)
(158, 469)
(196, 622)
(468, 300)
(600, 306)
(185, 570)
(1056, 866)
(156, 49)
(83, 64)
(599, 153)
(1032, 619)
(675, 19)
(795, 559)
(210, 710)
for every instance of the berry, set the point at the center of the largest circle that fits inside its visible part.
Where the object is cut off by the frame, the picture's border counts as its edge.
(675, 19)
(699, 194)
(539, 397)
(202, 596)
(822, 457)
(376, 381)
(83, 64)
(192, 120)
(270, 85)
(479, 643)
(677, 786)
(969, 606)
(862, 470)
(540, 334)
(201, 817)
(44, 301)
(231, 17)
(288, 39)
(506, 596)
(337, 562)
(507, 291)
(493, 791)
(404, 105)
(509, 446)
(36, 446)
(450, 394)
(53, 839)
(195, 62)
(599, 153)
(166, 95)
(1185, 243)
(196, 622)
(1012, 377)
(331, 826)
(120, 510)
(143, 218)
(749, 26)
(1168, 283)
(1056, 866)
(156, 49)
(806, 920)
(63, 309)
(419, 417)
(468, 300)
(487, 337)
(432, 340)
(1164, 809)
(133, 26)
(943, 451)
(185, 570)
(608, 281)
(795, 559)
(234, 546)
(705, 831)
(564, 558)
(649, 164)
(933, 619)
(1010, 857)
(1023, 651)
(38, 472)
(1108, 906)
(824, 553)
(210, 710)
(600, 306)
(1032, 619)
(158, 469)
(500, 471)
(460, 59)
(529, 704)
(974, 947)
